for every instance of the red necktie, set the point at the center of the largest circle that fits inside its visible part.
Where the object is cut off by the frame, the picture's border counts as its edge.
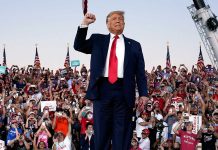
(112, 72)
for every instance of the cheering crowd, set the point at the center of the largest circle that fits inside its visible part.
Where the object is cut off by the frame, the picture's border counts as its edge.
(181, 113)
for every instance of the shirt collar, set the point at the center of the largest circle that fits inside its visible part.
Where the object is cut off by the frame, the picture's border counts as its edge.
(113, 35)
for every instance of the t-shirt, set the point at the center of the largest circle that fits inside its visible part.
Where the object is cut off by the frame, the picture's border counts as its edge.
(188, 140)
(177, 137)
(160, 101)
(65, 145)
(61, 125)
(144, 144)
(139, 127)
(43, 137)
(12, 134)
(170, 121)
(208, 141)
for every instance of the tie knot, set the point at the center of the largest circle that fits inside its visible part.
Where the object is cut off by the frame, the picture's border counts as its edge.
(116, 37)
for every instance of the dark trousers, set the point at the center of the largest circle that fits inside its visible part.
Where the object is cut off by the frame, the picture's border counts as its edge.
(112, 117)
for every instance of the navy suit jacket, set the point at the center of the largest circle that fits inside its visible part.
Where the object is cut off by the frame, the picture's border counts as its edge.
(134, 67)
(84, 144)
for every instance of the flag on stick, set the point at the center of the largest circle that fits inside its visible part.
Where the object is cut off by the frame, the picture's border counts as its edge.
(4, 58)
(200, 63)
(85, 6)
(168, 63)
(37, 61)
(67, 59)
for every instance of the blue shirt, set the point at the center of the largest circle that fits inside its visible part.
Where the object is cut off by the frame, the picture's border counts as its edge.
(12, 134)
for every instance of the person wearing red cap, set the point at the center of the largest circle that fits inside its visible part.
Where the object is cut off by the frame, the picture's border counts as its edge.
(144, 143)
(141, 123)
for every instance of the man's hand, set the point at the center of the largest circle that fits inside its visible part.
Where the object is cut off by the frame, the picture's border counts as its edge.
(141, 103)
(88, 19)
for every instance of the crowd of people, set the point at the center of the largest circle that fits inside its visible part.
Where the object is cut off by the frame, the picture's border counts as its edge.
(181, 113)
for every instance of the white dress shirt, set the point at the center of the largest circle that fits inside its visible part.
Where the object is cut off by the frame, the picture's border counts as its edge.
(120, 52)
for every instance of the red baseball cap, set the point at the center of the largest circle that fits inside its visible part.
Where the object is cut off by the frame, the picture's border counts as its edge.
(145, 131)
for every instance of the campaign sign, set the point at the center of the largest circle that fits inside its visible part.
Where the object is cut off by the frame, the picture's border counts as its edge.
(75, 63)
(197, 122)
(51, 105)
(2, 69)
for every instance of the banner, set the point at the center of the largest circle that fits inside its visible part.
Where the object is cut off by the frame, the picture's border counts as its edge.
(197, 122)
(2, 69)
(75, 63)
(51, 104)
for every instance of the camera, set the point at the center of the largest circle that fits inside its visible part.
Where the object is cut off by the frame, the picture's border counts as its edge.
(160, 126)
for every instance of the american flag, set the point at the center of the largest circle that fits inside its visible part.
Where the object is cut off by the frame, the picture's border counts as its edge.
(4, 58)
(85, 6)
(168, 63)
(200, 63)
(67, 60)
(36, 61)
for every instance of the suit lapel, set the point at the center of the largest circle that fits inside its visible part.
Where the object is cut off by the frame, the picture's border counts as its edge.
(127, 51)
(105, 47)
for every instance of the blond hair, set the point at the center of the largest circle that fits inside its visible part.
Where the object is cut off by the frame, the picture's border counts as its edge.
(119, 12)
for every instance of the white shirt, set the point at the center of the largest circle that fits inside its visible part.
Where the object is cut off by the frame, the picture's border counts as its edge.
(139, 127)
(177, 137)
(144, 144)
(120, 52)
(65, 145)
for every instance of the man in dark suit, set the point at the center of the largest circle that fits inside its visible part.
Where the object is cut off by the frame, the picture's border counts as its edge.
(117, 64)
(87, 140)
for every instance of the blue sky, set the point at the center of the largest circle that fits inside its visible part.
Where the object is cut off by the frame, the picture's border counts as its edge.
(53, 23)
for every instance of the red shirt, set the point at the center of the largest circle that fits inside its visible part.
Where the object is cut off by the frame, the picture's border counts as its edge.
(215, 97)
(160, 101)
(83, 122)
(61, 125)
(188, 140)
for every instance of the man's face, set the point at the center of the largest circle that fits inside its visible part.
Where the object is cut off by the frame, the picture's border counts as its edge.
(215, 117)
(144, 135)
(189, 126)
(179, 116)
(90, 128)
(115, 24)
(60, 137)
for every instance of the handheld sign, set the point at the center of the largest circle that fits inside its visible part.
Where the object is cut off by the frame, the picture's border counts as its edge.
(2, 69)
(75, 63)
(85, 6)
(51, 105)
